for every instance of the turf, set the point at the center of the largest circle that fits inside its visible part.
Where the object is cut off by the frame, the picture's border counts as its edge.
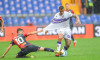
(86, 49)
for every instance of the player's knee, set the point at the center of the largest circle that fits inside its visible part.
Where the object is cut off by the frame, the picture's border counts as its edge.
(60, 36)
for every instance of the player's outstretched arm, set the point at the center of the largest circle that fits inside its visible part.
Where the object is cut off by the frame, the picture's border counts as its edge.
(2, 23)
(77, 19)
(6, 51)
(34, 32)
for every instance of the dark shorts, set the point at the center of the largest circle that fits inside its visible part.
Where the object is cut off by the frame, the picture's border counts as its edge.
(28, 49)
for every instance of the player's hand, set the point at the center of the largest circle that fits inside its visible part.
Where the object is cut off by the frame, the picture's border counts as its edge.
(46, 32)
(2, 56)
(41, 30)
(1, 30)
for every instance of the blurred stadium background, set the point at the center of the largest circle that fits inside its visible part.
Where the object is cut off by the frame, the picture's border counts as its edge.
(32, 15)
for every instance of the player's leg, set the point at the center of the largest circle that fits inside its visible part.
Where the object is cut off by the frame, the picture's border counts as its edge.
(22, 54)
(67, 44)
(26, 50)
(45, 49)
(67, 38)
(60, 37)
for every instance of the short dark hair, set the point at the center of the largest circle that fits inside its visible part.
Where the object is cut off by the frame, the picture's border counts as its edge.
(61, 7)
(19, 29)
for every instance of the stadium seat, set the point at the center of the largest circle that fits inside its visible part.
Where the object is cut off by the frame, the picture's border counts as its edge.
(42, 11)
(41, 6)
(40, 1)
(2, 10)
(36, 9)
(5, 21)
(22, 22)
(58, 2)
(54, 10)
(1, 7)
(24, 7)
(18, 11)
(34, 3)
(34, 20)
(9, 21)
(46, 20)
(46, 2)
(48, 10)
(82, 16)
(12, 10)
(40, 21)
(7, 11)
(27, 20)
(88, 20)
(16, 21)
(51, 18)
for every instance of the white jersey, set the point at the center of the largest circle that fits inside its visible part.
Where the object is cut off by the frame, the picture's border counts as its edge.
(60, 21)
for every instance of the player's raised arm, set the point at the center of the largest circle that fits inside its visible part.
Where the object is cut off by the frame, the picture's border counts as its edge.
(77, 19)
(6, 51)
(34, 32)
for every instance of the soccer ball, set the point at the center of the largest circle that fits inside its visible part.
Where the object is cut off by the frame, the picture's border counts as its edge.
(64, 54)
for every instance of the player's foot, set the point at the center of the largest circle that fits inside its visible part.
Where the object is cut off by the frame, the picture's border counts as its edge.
(74, 43)
(58, 53)
(30, 56)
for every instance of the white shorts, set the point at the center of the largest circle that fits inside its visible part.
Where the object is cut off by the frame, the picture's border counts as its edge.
(66, 32)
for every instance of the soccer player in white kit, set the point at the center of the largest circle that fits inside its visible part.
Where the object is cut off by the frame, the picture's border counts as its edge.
(60, 22)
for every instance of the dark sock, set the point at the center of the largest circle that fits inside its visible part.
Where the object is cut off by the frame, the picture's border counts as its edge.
(65, 48)
(72, 38)
(48, 49)
(23, 57)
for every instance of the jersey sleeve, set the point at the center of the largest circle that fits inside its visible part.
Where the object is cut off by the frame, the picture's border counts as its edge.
(72, 11)
(25, 35)
(12, 42)
(0, 18)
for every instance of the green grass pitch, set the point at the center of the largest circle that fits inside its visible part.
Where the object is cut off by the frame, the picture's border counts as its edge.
(86, 49)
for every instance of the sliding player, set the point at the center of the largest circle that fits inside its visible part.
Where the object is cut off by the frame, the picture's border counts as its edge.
(26, 47)
(71, 23)
(61, 23)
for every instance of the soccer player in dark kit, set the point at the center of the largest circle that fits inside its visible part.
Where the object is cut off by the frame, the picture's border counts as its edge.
(26, 47)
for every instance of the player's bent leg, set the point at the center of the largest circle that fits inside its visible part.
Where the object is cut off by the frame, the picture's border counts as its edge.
(46, 49)
(22, 54)
(67, 45)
